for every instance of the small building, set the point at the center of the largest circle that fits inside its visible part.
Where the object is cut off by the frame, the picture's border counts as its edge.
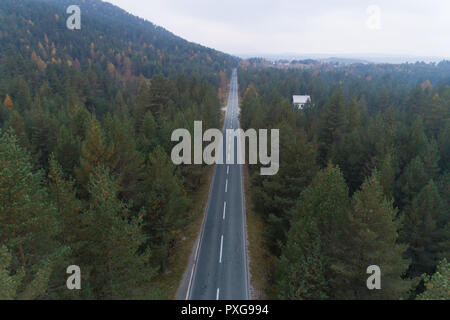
(300, 101)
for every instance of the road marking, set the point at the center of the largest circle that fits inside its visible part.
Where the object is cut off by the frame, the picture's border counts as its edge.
(224, 210)
(217, 294)
(221, 249)
(226, 186)
(228, 169)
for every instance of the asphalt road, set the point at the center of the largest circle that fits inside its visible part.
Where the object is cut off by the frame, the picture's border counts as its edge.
(220, 270)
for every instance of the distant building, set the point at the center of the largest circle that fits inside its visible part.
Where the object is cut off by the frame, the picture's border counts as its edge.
(300, 101)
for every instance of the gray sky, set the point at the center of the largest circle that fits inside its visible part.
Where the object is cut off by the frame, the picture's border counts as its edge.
(400, 27)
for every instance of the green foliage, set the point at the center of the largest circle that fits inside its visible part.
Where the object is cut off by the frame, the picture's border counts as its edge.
(333, 122)
(383, 124)
(28, 220)
(424, 230)
(166, 206)
(438, 285)
(9, 283)
(316, 237)
(301, 269)
(372, 240)
(113, 240)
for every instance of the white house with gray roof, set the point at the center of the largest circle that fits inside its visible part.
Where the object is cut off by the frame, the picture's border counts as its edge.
(300, 101)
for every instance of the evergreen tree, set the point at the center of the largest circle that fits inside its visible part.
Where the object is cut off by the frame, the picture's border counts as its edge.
(386, 176)
(147, 139)
(63, 194)
(424, 230)
(9, 283)
(372, 240)
(128, 161)
(301, 270)
(166, 205)
(322, 206)
(113, 240)
(438, 285)
(333, 124)
(275, 196)
(411, 182)
(28, 221)
(95, 151)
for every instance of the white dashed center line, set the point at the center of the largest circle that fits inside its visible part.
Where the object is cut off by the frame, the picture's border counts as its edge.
(224, 210)
(221, 249)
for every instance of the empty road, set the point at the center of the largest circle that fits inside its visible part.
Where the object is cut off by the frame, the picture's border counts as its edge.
(220, 269)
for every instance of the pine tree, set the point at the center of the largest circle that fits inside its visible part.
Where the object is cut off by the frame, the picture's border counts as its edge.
(68, 149)
(372, 240)
(411, 182)
(95, 151)
(21, 93)
(423, 230)
(354, 114)
(113, 241)
(301, 270)
(438, 285)
(28, 221)
(333, 124)
(129, 162)
(17, 123)
(148, 137)
(275, 196)
(322, 206)
(43, 135)
(63, 195)
(387, 176)
(349, 154)
(166, 205)
(9, 283)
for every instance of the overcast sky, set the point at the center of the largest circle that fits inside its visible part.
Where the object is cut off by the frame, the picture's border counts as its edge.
(400, 27)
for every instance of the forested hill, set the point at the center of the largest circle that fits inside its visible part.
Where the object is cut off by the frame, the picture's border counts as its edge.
(86, 177)
(110, 39)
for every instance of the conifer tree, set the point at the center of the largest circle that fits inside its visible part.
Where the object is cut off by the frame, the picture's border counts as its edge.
(29, 228)
(113, 241)
(386, 176)
(320, 216)
(438, 285)
(9, 283)
(333, 124)
(372, 240)
(301, 270)
(166, 205)
(424, 230)
(129, 162)
(413, 179)
(95, 151)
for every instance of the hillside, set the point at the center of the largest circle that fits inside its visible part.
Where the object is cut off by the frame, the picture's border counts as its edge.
(109, 39)
(86, 177)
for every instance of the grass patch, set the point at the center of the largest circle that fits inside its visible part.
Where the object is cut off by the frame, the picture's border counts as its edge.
(260, 259)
